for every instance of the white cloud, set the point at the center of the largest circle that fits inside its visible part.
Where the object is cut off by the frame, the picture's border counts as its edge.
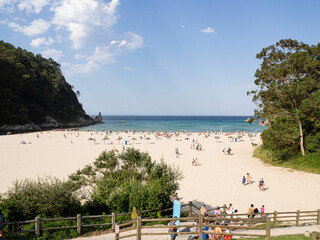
(71, 69)
(36, 27)
(183, 26)
(82, 18)
(128, 69)
(79, 57)
(41, 41)
(207, 30)
(53, 53)
(4, 5)
(32, 6)
(106, 54)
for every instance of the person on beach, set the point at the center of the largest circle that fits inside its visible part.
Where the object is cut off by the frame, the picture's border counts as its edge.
(206, 228)
(261, 184)
(251, 210)
(195, 229)
(230, 210)
(196, 162)
(203, 210)
(229, 151)
(243, 180)
(173, 228)
(218, 229)
(193, 161)
(228, 237)
(248, 178)
(262, 211)
(218, 212)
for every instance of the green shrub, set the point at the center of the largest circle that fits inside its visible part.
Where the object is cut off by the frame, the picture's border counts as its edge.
(48, 197)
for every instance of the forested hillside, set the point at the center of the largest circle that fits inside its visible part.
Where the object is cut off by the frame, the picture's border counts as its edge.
(33, 90)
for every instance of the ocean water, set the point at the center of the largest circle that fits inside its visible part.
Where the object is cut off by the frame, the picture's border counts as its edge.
(175, 123)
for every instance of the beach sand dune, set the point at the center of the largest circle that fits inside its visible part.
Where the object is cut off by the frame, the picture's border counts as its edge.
(216, 181)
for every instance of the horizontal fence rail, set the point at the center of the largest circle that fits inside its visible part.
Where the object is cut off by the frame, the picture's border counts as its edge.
(190, 210)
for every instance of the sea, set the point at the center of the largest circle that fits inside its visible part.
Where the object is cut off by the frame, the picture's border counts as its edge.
(176, 123)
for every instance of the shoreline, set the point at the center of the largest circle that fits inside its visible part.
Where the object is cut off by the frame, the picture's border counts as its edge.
(216, 181)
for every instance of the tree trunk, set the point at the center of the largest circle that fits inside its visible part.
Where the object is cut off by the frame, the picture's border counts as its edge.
(301, 137)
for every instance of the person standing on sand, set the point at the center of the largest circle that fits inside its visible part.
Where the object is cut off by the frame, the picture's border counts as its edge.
(248, 178)
(243, 180)
(261, 184)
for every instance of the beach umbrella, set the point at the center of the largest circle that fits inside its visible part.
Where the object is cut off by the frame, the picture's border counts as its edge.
(148, 139)
(119, 138)
(216, 137)
(104, 139)
(133, 139)
(230, 138)
(90, 139)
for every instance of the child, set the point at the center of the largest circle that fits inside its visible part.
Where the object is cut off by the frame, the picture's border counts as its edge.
(243, 180)
(262, 211)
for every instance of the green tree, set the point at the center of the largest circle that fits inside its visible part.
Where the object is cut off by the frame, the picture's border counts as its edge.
(119, 182)
(287, 82)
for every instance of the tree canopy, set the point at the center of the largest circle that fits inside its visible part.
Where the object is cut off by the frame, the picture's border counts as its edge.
(32, 88)
(119, 182)
(288, 96)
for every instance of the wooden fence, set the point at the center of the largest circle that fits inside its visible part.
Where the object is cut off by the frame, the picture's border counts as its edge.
(233, 224)
(188, 210)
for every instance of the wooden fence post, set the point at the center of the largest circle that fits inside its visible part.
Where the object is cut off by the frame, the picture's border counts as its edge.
(139, 228)
(268, 228)
(297, 218)
(113, 221)
(200, 226)
(116, 236)
(275, 216)
(79, 224)
(315, 235)
(318, 217)
(190, 209)
(37, 226)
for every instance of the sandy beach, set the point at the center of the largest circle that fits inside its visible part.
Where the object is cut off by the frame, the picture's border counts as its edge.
(216, 181)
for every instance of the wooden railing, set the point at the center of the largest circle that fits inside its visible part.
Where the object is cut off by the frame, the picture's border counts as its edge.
(233, 224)
(189, 209)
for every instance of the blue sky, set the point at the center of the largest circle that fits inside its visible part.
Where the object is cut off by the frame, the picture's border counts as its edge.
(152, 57)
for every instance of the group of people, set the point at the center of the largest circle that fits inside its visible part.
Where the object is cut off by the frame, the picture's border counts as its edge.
(248, 180)
(254, 211)
(195, 145)
(227, 151)
(195, 162)
(217, 229)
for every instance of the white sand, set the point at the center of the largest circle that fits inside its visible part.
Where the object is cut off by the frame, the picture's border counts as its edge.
(216, 181)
